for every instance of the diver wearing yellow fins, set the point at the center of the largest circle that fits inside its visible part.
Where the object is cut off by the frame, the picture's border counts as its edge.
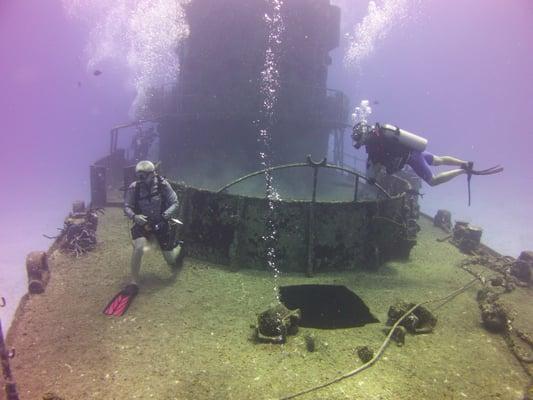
(391, 147)
(151, 204)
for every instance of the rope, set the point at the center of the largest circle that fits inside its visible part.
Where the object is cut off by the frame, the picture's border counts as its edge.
(379, 353)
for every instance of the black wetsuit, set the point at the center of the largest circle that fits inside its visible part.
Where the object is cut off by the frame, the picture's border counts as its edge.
(158, 202)
(386, 151)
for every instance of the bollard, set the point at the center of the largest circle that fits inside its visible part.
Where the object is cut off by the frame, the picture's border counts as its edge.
(37, 270)
(466, 236)
(78, 207)
(522, 268)
(98, 186)
(443, 220)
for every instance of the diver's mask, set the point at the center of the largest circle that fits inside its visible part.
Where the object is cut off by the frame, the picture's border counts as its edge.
(360, 133)
(145, 177)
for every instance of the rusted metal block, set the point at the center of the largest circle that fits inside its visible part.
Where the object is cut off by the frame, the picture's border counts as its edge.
(98, 186)
(78, 207)
(239, 231)
(38, 272)
(443, 220)
(467, 237)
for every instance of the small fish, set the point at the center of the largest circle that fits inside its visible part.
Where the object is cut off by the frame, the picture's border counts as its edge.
(97, 72)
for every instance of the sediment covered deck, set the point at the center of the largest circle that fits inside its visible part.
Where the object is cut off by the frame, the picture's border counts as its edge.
(188, 336)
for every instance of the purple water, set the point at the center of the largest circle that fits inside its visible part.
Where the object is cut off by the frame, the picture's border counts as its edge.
(459, 73)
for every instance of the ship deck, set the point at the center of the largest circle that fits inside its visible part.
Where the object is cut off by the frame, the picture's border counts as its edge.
(189, 336)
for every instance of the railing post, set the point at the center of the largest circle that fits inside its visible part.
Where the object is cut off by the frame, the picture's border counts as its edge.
(311, 218)
(356, 188)
(98, 186)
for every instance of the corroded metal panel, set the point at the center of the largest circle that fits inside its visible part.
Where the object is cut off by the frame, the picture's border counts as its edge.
(233, 230)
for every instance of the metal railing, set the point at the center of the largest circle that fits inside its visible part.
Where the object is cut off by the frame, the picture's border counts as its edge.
(298, 102)
(315, 165)
(311, 206)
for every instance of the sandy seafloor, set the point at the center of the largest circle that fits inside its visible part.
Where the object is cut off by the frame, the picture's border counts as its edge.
(189, 336)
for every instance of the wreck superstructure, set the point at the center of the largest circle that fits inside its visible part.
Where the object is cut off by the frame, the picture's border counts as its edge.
(191, 326)
(212, 116)
(208, 126)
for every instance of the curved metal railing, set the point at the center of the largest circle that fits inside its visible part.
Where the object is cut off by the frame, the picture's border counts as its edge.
(315, 165)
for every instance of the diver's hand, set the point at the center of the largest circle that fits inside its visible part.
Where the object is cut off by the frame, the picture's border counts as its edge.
(140, 219)
(371, 181)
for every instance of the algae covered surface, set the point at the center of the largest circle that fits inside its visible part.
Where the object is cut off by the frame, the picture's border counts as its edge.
(189, 335)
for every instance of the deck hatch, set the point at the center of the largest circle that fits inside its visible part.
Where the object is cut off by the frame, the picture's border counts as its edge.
(327, 306)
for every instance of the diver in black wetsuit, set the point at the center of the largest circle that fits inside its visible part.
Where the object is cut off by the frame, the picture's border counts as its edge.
(152, 204)
(393, 148)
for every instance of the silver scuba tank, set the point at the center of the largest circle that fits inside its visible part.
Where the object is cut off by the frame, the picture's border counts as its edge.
(408, 139)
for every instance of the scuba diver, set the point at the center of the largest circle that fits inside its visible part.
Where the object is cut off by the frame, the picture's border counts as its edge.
(393, 148)
(151, 203)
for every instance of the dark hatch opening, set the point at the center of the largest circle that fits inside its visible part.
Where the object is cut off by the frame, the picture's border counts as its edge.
(326, 306)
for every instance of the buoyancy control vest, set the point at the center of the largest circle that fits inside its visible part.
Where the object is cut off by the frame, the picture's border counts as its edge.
(158, 192)
(391, 146)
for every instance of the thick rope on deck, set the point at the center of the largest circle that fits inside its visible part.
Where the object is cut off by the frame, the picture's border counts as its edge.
(381, 350)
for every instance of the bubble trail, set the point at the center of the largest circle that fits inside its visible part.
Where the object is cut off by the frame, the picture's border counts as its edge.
(140, 35)
(376, 25)
(270, 84)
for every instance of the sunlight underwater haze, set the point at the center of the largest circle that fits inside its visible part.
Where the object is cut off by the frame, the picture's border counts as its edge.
(142, 35)
(459, 73)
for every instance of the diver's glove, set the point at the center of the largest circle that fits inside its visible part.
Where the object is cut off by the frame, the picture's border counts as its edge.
(140, 219)
(371, 181)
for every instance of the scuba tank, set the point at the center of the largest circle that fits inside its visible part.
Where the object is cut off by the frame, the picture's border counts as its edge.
(408, 139)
